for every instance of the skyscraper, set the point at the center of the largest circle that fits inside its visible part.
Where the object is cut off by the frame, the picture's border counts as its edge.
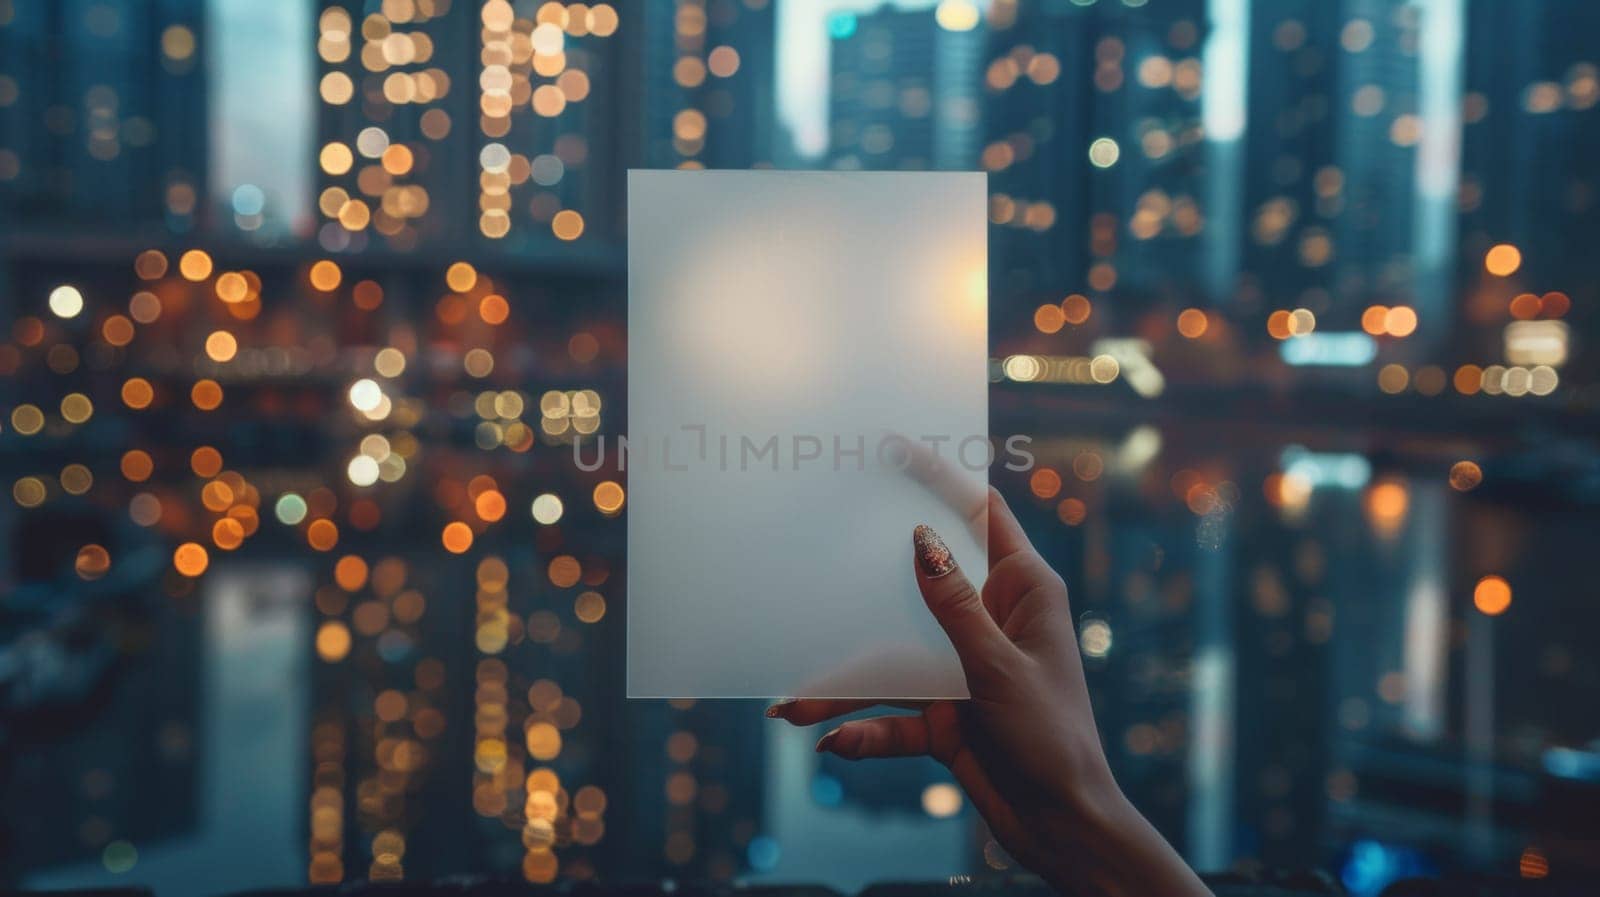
(419, 96)
(102, 114)
(1329, 167)
(705, 95)
(1532, 102)
(1093, 144)
(1532, 89)
(904, 88)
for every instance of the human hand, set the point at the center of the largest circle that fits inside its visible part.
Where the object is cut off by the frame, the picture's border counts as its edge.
(1024, 748)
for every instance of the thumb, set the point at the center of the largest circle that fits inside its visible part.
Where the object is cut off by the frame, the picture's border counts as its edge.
(957, 607)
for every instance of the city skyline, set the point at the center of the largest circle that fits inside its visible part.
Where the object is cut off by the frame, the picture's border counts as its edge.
(306, 308)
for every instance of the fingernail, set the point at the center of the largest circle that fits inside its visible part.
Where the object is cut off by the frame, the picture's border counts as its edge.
(825, 741)
(932, 554)
(777, 710)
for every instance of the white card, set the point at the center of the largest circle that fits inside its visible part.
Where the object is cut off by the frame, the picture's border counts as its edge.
(785, 329)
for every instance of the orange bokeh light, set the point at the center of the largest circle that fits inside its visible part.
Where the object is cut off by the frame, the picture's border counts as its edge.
(1076, 309)
(1193, 323)
(150, 264)
(1502, 260)
(1071, 511)
(206, 395)
(367, 295)
(137, 465)
(232, 287)
(1524, 306)
(350, 573)
(117, 330)
(1387, 503)
(190, 559)
(490, 505)
(227, 533)
(325, 276)
(1278, 324)
(461, 277)
(609, 497)
(1375, 319)
(1555, 304)
(1492, 595)
(216, 496)
(1465, 476)
(457, 537)
(137, 393)
(565, 571)
(1399, 321)
(195, 266)
(1045, 483)
(494, 309)
(322, 534)
(206, 462)
(1049, 318)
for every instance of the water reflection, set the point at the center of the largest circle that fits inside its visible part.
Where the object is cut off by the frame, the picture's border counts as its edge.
(1344, 683)
(1285, 649)
(246, 769)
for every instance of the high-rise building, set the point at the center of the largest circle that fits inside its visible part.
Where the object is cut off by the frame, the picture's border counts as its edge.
(705, 88)
(699, 91)
(1330, 189)
(1091, 123)
(1531, 104)
(1377, 128)
(1532, 89)
(102, 114)
(904, 88)
(448, 121)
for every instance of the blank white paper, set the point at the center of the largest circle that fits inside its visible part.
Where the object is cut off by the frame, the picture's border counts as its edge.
(784, 329)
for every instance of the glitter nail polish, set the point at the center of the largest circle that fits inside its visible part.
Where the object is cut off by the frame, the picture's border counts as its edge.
(932, 554)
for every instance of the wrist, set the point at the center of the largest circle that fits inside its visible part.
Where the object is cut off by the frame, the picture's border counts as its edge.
(1086, 832)
(1105, 846)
